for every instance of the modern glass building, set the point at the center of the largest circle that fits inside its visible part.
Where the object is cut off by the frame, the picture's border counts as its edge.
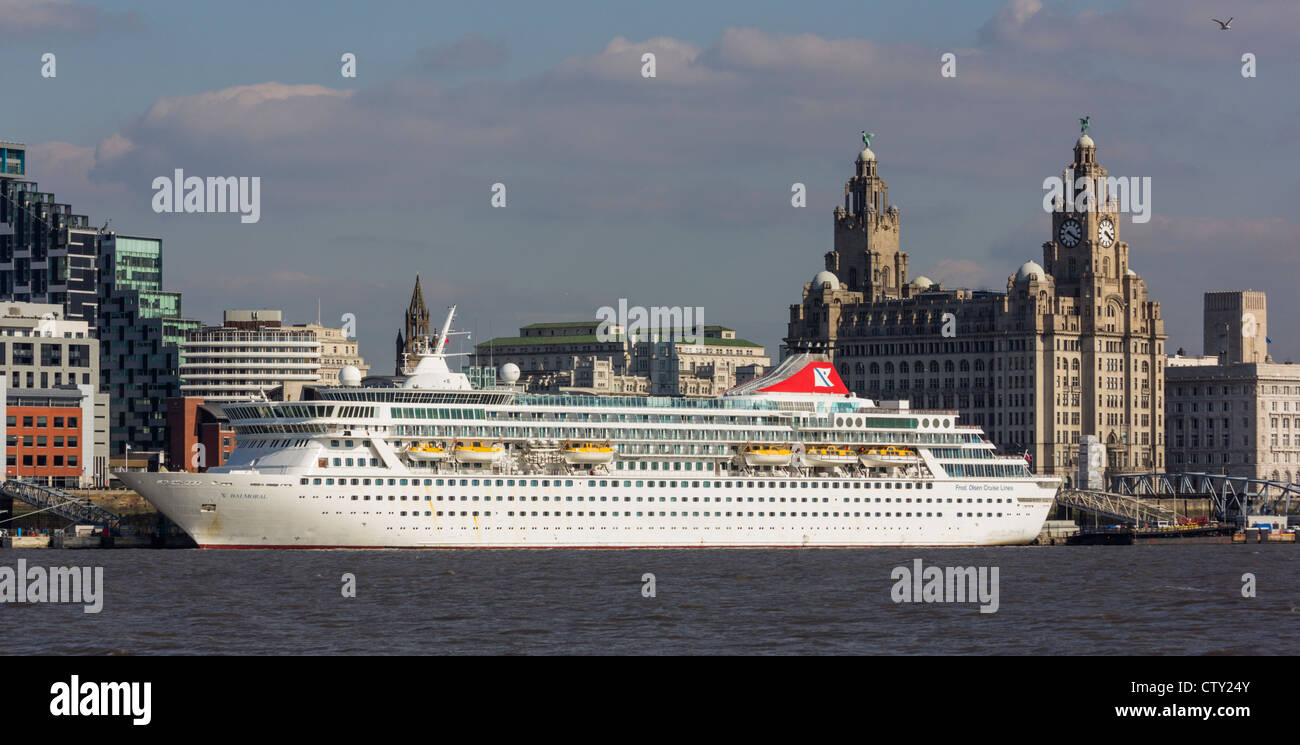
(112, 282)
(140, 333)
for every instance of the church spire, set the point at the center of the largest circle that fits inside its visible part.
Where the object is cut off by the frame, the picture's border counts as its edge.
(416, 324)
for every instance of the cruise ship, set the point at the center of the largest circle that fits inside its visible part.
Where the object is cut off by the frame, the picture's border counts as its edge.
(789, 459)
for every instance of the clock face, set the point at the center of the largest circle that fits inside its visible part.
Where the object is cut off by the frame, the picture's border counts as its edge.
(1071, 233)
(1106, 232)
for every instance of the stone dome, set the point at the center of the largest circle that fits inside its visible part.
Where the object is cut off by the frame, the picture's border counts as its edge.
(922, 282)
(823, 277)
(1085, 141)
(1030, 269)
(866, 155)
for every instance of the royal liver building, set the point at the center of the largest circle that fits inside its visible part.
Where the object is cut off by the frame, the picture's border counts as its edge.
(1074, 346)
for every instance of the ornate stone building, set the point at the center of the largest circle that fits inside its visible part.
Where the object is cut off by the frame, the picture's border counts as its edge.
(1073, 347)
(1234, 410)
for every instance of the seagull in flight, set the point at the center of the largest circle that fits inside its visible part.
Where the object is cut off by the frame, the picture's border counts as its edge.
(1223, 25)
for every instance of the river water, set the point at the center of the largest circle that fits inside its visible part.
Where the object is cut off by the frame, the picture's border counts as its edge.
(1050, 601)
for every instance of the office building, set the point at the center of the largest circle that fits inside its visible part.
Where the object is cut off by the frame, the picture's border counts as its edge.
(1073, 347)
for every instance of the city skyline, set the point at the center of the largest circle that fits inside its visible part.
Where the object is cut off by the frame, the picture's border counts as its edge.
(666, 191)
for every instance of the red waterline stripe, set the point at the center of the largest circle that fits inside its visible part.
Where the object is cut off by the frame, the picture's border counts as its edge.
(252, 547)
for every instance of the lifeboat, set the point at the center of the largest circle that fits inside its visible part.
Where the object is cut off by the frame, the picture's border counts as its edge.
(477, 451)
(829, 456)
(881, 457)
(587, 453)
(427, 452)
(767, 455)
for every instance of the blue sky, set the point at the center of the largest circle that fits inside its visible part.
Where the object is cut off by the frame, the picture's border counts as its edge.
(672, 191)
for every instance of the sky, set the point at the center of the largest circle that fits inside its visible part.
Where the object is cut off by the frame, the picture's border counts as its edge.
(673, 190)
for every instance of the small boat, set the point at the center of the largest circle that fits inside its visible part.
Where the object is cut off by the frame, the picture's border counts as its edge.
(767, 455)
(477, 451)
(426, 452)
(587, 453)
(829, 456)
(887, 456)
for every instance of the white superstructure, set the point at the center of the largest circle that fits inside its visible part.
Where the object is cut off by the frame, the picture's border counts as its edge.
(349, 467)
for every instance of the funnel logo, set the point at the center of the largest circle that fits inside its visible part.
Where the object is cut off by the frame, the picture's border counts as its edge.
(815, 377)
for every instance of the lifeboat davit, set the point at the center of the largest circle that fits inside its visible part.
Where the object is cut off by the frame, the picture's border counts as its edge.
(829, 457)
(426, 453)
(767, 455)
(587, 453)
(478, 452)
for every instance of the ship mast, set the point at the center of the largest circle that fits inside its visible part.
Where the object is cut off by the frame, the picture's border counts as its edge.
(443, 333)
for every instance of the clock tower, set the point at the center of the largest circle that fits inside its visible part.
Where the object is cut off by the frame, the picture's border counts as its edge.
(1085, 245)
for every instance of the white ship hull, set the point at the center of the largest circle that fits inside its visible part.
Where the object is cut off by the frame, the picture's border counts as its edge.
(233, 510)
